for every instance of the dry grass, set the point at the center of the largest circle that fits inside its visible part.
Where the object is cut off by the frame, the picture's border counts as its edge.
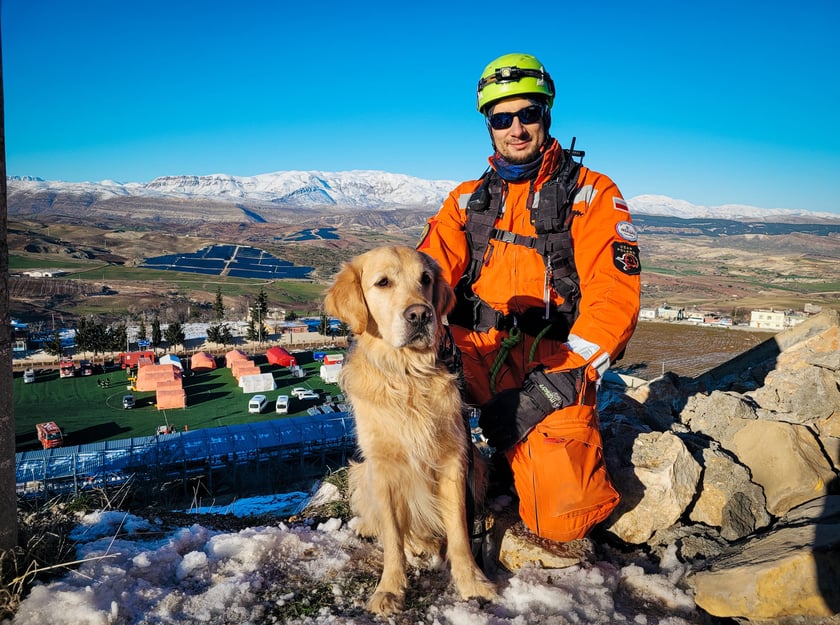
(44, 548)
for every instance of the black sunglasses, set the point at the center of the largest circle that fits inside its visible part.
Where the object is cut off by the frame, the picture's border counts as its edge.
(529, 115)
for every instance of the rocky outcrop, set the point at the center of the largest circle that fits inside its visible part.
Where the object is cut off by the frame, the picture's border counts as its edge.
(739, 469)
(791, 570)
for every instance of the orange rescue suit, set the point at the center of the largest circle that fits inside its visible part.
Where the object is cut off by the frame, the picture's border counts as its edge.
(559, 471)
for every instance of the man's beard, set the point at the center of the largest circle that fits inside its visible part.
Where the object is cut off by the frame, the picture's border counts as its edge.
(524, 159)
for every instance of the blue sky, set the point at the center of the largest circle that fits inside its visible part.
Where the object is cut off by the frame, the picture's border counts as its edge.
(714, 103)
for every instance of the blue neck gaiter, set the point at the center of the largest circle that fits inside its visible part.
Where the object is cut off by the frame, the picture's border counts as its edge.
(516, 172)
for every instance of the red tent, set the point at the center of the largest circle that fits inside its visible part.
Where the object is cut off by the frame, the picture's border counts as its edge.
(279, 356)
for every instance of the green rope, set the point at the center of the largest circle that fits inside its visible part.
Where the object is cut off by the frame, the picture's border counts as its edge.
(536, 341)
(507, 344)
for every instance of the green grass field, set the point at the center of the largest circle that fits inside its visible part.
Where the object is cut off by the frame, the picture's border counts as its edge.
(87, 411)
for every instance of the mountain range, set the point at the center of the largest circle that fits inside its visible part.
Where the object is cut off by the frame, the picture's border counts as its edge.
(341, 191)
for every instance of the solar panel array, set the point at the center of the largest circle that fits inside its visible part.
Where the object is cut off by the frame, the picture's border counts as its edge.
(238, 261)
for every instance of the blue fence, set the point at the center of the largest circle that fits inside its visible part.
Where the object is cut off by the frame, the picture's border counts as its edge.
(182, 454)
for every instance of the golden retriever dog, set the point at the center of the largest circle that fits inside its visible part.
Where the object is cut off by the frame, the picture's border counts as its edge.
(409, 490)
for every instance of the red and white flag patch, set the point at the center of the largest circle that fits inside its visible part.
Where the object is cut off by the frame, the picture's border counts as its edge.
(620, 205)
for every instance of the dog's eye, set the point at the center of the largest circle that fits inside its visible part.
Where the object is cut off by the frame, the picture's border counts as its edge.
(426, 279)
(383, 282)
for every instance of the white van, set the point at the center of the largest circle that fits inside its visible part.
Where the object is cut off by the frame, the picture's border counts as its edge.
(29, 376)
(257, 404)
(282, 405)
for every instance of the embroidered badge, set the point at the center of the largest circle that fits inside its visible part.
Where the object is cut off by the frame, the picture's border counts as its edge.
(627, 231)
(626, 258)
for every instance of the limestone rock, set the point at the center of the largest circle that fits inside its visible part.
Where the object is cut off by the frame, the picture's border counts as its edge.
(785, 459)
(728, 499)
(803, 393)
(656, 486)
(520, 548)
(718, 415)
(791, 570)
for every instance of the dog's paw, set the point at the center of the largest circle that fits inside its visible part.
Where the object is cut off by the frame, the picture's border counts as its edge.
(385, 603)
(478, 587)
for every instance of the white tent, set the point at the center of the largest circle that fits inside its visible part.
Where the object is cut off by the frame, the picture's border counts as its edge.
(329, 373)
(170, 359)
(257, 383)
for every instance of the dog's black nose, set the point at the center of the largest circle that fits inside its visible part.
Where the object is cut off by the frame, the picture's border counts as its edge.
(418, 314)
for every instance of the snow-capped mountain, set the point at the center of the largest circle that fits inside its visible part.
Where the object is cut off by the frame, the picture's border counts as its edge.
(669, 207)
(347, 189)
(357, 189)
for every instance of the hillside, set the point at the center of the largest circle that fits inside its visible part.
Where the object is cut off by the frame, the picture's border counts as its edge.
(726, 259)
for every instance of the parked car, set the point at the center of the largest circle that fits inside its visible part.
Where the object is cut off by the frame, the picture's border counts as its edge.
(282, 404)
(257, 404)
(128, 401)
(298, 390)
(307, 395)
(29, 376)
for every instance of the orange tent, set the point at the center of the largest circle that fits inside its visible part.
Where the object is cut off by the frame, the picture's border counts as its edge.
(244, 367)
(202, 361)
(169, 385)
(234, 355)
(150, 376)
(175, 398)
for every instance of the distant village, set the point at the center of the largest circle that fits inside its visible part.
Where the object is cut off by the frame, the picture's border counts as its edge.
(761, 319)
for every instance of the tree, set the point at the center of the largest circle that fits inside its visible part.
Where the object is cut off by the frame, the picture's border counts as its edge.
(262, 303)
(259, 311)
(174, 334)
(291, 316)
(142, 334)
(116, 338)
(251, 332)
(92, 336)
(219, 305)
(157, 337)
(220, 333)
(8, 493)
(324, 326)
(53, 344)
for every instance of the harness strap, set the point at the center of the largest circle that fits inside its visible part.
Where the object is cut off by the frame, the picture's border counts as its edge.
(551, 214)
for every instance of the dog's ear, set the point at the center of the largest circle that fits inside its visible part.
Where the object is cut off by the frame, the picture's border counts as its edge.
(443, 296)
(345, 300)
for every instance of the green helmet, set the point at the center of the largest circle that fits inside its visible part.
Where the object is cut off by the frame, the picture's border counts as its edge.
(512, 75)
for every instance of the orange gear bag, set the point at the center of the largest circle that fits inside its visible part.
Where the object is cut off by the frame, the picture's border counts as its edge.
(561, 477)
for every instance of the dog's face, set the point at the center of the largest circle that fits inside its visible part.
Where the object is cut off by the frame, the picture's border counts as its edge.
(393, 293)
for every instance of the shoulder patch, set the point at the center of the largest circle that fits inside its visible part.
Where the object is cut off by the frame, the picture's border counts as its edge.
(423, 242)
(627, 231)
(626, 258)
(620, 205)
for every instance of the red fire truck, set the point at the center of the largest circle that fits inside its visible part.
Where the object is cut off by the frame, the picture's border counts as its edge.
(132, 359)
(49, 434)
(66, 368)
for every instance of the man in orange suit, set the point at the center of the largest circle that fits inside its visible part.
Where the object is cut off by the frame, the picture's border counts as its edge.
(543, 256)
